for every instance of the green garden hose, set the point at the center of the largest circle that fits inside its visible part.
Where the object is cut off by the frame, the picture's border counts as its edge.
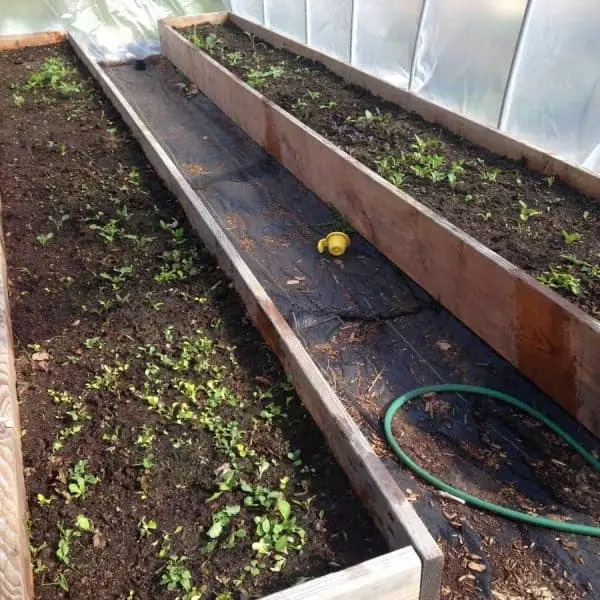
(508, 513)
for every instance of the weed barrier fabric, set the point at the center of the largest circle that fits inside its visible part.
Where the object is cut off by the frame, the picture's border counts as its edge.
(375, 334)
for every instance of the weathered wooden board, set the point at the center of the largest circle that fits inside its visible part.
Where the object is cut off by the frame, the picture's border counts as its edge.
(547, 338)
(24, 40)
(394, 576)
(15, 569)
(391, 511)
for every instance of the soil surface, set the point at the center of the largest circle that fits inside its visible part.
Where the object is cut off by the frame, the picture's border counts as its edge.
(538, 223)
(166, 455)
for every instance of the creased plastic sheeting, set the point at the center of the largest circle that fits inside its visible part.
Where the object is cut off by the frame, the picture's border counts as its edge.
(287, 17)
(113, 29)
(464, 53)
(554, 97)
(253, 10)
(384, 38)
(330, 27)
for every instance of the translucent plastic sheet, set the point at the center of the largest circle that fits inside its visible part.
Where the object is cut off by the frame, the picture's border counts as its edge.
(253, 10)
(554, 98)
(114, 29)
(464, 53)
(330, 27)
(287, 17)
(384, 38)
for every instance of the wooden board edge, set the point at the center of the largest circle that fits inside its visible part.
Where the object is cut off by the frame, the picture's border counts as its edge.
(482, 135)
(511, 311)
(216, 18)
(389, 508)
(16, 580)
(27, 40)
(393, 576)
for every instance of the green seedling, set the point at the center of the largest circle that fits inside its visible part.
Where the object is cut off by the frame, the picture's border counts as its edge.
(491, 175)
(147, 528)
(209, 43)
(550, 180)
(108, 232)
(44, 238)
(38, 564)
(134, 178)
(584, 266)
(84, 523)
(558, 279)
(526, 213)
(119, 275)
(176, 575)
(108, 379)
(221, 520)
(146, 463)
(146, 437)
(43, 501)
(80, 479)
(329, 105)
(486, 216)
(56, 76)
(140, 242)
(390, 168)
(61, 582)
(234, 58)
(371, 117)
(571, 238)
(64, 543)
(18, 100)
(93, 342)
(313, 95)
(257, 78)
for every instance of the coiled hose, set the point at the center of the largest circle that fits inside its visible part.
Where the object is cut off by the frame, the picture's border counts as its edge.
(502, 511)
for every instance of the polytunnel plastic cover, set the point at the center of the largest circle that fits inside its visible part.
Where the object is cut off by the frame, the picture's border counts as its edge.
(114, 29)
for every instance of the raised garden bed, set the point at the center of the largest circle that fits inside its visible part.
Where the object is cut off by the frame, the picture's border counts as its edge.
(530, 220)
(165, 453)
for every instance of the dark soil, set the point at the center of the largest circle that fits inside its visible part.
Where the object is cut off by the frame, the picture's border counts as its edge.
(137, 368)
(538, 223)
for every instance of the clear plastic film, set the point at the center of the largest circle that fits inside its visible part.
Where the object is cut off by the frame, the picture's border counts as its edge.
(287, 17)
(113, 29)
(553, 100)
(384, 38)
(464, 54)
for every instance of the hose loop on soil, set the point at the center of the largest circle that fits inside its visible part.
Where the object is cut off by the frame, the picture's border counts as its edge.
(502, 511)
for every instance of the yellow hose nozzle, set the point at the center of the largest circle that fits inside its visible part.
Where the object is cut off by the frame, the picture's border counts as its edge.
(336, 242)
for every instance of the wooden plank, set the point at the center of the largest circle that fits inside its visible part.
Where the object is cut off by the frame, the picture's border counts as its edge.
(547, 338)
(16, 581)
(25, 40)
(393, 576)
(215, 18)
(489, 138)
(391, 512)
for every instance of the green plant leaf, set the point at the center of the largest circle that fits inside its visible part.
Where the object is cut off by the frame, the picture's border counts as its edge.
(284, 508)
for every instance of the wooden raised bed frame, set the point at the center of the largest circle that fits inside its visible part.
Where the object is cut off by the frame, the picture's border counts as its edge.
(550, 340)
(411, 571)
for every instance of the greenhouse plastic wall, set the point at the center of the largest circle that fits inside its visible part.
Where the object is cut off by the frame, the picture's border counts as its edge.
(527, 67)
(113, 29)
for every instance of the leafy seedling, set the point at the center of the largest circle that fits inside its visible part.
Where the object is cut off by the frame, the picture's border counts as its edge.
(571, 238)
(56, 76)
(80, 479)
(44, 238)
(526, 212)
(176, 575)
(558, 279)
